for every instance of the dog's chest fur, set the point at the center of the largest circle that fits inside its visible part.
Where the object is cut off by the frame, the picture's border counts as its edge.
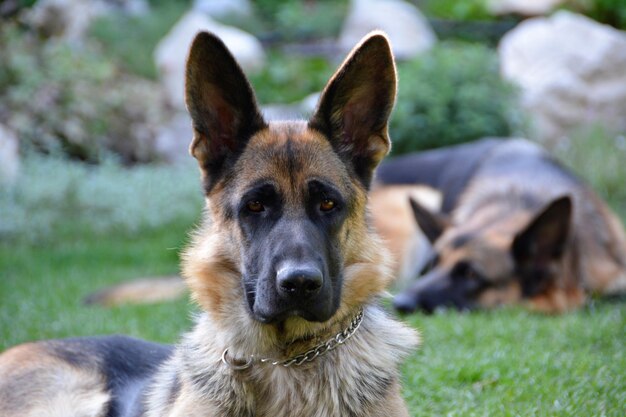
(325, 389)
(351, 380)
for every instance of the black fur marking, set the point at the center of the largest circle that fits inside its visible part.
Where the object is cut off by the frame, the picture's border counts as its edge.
(127, 363)
(293, 162)
(448, 170)
(461, 240)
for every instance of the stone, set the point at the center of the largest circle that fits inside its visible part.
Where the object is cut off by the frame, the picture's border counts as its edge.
(522, 7)
(171, 53)
(9, 157)
(571, 72)
(409, 31)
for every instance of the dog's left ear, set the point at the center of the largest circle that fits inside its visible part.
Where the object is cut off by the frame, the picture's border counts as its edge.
(354, 108)
(545, 237)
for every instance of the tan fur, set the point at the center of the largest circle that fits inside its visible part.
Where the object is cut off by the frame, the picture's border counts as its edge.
(35, 384)
(393, 220)
(141, 290)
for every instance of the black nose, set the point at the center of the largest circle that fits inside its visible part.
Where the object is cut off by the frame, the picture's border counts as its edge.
(299, 281)
(405, 303)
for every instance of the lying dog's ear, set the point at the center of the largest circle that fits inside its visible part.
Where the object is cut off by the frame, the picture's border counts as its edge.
(221, 103)
(432, 224)
(354, 108)
(546, 235)
(545, 238)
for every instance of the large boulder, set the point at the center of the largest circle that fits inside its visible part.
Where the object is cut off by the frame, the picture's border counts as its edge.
(407, 28)
(171, 52)
(522, 7)
(571, 71)
(9, 157)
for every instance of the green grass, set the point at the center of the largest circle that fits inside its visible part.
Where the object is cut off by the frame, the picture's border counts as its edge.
(67, 230)
(505, 363)
(41, 286)
(513, 363)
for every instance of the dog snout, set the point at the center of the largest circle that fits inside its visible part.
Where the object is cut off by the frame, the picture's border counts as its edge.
(299, 281)
(405, 303)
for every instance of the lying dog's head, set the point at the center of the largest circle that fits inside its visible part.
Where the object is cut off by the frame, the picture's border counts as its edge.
(286, 235)
(498, 258)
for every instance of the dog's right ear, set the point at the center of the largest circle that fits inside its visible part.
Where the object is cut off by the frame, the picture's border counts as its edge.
(545, 237)
(431, 224)
(221, 103)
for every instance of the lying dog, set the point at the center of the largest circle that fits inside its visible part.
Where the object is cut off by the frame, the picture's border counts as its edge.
(515, 227)
(285, 268)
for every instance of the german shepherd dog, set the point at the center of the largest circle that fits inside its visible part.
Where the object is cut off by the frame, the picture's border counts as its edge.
(286, 269)
(514, 227)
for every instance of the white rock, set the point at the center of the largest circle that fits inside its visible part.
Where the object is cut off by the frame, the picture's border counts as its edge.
(522, 7)
(223, 8)
(9, 157)
(171, 52)
(571, 70)
(407, 28)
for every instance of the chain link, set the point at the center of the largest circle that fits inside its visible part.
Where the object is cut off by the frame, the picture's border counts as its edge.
(308, 356)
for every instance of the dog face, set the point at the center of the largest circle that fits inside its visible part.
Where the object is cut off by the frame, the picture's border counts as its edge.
(496, 258)
(286, 200)
(291, 206)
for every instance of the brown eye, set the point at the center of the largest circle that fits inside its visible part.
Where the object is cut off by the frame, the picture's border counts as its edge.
(255, 206)
(327, 204)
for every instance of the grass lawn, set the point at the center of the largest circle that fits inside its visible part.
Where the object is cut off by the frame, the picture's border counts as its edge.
(504, 363)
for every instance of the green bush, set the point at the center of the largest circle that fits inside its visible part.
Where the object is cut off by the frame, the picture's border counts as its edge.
(69, 99)
(452, 94)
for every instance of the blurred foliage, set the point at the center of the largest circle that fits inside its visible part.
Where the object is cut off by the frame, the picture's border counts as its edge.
(130, 40)
(313, 19)
(450, 95)
(286, 79)
(598, 156)
(611, 12)
(302, 19)
(54, 196)
(455, 9)
(62, 98)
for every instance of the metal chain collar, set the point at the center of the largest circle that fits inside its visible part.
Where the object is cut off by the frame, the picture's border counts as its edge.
(308, 356)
